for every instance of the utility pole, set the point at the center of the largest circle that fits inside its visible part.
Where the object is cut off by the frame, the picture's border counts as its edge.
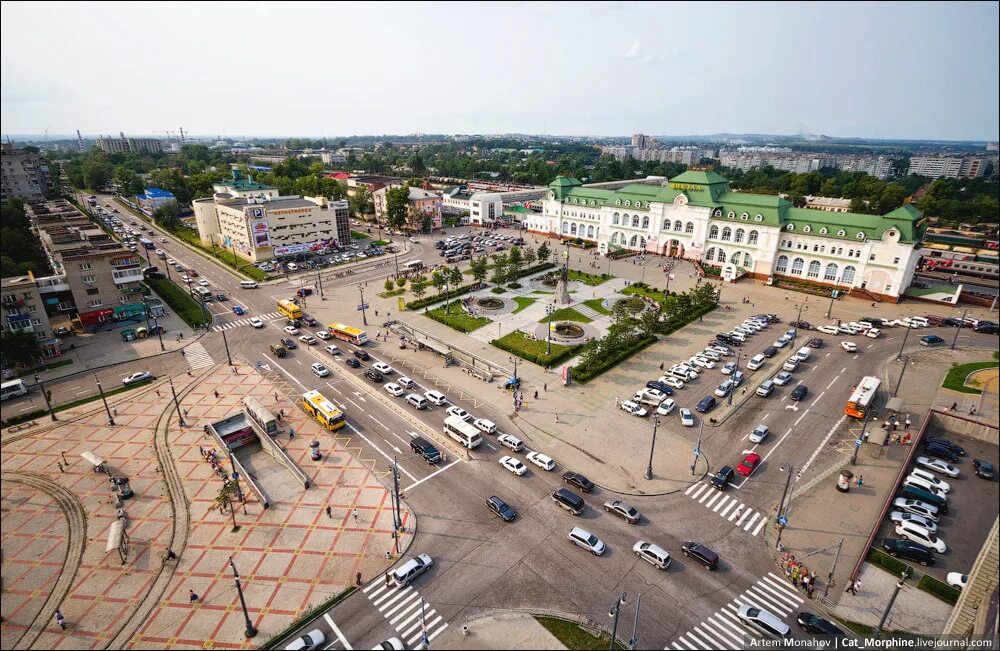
(729, 398)
(790, 469)
(111, 420)
(424, 640)
(615, 610)
(697, 446)
(634, 641)
(180, 414)
(229, 358)
(864, 430)
(829, 577)
(250, 630)
(649, 467)
(906, 335)
(549, 310)
(45, 394)
(954, 339)
(902, 370)
(364, 315)
(398, 517)
(798, 319)
(829, 310)
(319, 282)
(885, 614)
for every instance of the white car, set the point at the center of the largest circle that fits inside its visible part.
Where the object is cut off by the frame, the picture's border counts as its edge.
(898, 517)
(652, 395)
(632, 408)
(394, 389)
(790, 365)
(384, 368)
(930, 478)
(828, 329)
(780, 342)
(314, 639)
(666, 407)
(461, 413)
(203, 282)
(729, 368)
(922, 536)
(185, 278)
(849, 346)
(436, 397)
(541, 460)
(255, 322)
(783, 378)
(163, 240)
(333, 350)
(486, 426)
(687, 420)
(957, 580)
(756, 362)
(171, 261)
(513, 465)
(292, 330)
(725, 352)
(511, 442)
(710, 354)
(404, 381)
(759, 433)
(141, 376)
(324, 335)
(672, 382)
(320, 370)
(874, 333)
(938, 465)
(702, 362)
(308, 340)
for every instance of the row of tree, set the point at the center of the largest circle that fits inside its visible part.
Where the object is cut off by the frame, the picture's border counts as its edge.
(20, 250)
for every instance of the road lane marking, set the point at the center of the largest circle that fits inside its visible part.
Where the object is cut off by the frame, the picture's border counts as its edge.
(751, 521)
(821, 446)
(697, 488)
(801, 417)
(818, 397)
(709, 503)
(764, 417)
(436, 472)
(725, 499)
(379, 422)
(340, 636)
(832, 383)
(843, 369)
(759, 526)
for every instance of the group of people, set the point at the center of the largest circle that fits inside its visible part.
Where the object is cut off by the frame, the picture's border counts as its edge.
(211, 456)
(798, 573)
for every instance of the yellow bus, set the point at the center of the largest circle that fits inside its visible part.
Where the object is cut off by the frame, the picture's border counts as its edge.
(289, 309)
(356, 336)
(325, 412)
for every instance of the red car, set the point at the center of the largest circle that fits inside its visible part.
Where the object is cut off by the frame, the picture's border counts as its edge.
(749, 464)
(192, 273)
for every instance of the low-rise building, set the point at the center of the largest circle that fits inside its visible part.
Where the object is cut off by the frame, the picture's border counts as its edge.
(153, 199)
(24, 309)
(423, 208)
(23, 174)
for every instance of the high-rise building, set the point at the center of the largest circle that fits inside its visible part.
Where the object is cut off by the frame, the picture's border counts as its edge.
(24, 174)
(640, 140)
(123, 145)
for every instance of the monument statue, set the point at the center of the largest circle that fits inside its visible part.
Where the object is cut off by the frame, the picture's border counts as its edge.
(562, 285)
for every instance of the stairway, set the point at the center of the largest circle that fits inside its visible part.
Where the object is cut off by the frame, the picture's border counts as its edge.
(587, 311)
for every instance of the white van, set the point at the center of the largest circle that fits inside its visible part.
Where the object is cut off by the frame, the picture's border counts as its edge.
(804, 353)
(13, 389)
(683, 376)
(756, 362)
(919, 320)
(436, 397)
(248, 284)
(419, 402)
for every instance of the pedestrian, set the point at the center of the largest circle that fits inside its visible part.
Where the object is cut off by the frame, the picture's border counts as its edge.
(806, 582)
(329, 512)
(157, 393)
(972, 411)
(216, 392)
(536, 394)
(852, 587)
(60, 466)
(114, 411)
(192, 597)
(60, 620)
(376, 312)
(276, 396)
(810, 588)
(557, 418)
(661, 366)
(545, 386)
(954, 406)
(291, 432)
(355, 514)
(185, 412)
(388, 575)
(357, 579)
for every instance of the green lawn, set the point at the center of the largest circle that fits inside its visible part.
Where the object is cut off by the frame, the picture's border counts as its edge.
(225, 256)
(517, 343)
(358, 235)
(597, 305)
(573, 636)
(179, 301)
(458, 319)
(589, 279)
(391, 293)
(635, 290)
(523, 302)
(567, 314)
(955, 379)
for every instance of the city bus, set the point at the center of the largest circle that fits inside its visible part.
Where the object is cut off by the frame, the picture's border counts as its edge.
(356, 336)
(466, 434)
(289, 309)
(325, 412)
(201, 294)
(863, 397)
(412, 265)
(261, 415)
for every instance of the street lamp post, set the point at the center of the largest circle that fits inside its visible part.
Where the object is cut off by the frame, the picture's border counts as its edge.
(250, 630)
(549, 310)
(697, 446)
(634, 641)
(833, 295)
(729, 398)
(45, 394)
(954, 339)
(885, 614)
(364, 314)
(614, 612)
(649, 467)
(111, 420)
(177, 404)
(861, 437)
(319, 282)
(782, 507)
(229, 358)
(906, 335)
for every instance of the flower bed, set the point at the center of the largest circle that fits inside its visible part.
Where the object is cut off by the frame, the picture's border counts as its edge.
(534, 350)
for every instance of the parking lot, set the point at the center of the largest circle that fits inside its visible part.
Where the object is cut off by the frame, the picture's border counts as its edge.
(971, 508)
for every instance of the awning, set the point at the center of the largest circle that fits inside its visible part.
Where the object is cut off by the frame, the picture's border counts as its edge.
(92, 458)
(894, 404)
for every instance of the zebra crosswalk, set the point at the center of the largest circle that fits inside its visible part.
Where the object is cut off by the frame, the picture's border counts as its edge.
(197, 357)
(242, 322)
(406, 612)
(727, 506)
(724, 630)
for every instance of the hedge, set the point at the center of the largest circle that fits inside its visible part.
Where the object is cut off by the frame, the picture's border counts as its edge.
(585, 374)
(942, 591)
(179, 301)
(892, 565)
(458, 318)
(517, 343)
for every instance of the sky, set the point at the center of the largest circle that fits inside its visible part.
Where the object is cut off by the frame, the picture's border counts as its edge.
(906, 70)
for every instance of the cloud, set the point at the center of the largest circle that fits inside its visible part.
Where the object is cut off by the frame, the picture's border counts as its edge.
(635, 50)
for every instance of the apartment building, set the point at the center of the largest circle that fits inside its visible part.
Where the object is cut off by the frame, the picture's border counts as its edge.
(421, 206)
(23, 309)
(22, 174)
(123, 145)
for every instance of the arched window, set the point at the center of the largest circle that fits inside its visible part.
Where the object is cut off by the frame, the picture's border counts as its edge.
(713, 233)
(689, 227)
(831, 272)
(642, 243)
(614, 238)
(645, 221)
(614, 219)
(813, 269)
(747, 261)
(572, 229)
(590, 232)
(797, 265)
(848, 275)
(710, 255)
(678, 226)
(666, 225)
(565, 228)
(782, 264)
(635, 221)
(739, 235)
(752, 238)
(727, 234)
(722, 256)
(634, 242)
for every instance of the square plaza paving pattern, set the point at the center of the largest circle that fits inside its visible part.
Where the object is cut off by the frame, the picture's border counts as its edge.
(291, 556)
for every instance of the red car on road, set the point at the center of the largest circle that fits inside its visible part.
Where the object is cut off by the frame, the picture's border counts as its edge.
(749, 464)
(192, 273)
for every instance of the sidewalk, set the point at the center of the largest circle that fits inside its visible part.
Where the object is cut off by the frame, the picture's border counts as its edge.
(509, 630)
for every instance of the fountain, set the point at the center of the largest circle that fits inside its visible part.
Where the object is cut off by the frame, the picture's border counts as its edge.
(568, 330)
(488, 303)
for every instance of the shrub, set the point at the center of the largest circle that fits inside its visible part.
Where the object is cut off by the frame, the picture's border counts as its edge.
(943, 591)
(517, 343)
(583, 372)
(892, 565)
(179, 301)
(388, 284)
(498, 290)
(458, 318)
(514, 286)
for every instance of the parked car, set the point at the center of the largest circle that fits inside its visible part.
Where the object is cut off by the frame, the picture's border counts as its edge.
(632, 408)
(954, 447)
(928, 511)
(898, 517)
(938, 466)
(687, 419)
(394, 389)
(983, 469)
(374, 375)
(810, 623)
(314, 639)
(908, 550)
(705, 404)
(957, 580)
(382, 367)
(918, 534)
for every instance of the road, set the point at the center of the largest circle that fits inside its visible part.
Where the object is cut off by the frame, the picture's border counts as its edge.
(481, 563)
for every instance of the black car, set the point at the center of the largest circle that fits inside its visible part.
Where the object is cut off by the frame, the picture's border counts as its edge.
(706, 404)
(954, 447)
(954, 322)
(810, 623)
(984, 469)
(659, 386)
(987, 328)
(362, 354)
(289, 344)
(804, 325)
(578, 480)
(309, 321)
(723, 477)
(353, 363)
(769, 352)
(910, 551)
(799, 392)
(726, 339)
(701, 553)
(295, 323)
(815, 342)
(941, 452)
(501, 508)
(374, 375)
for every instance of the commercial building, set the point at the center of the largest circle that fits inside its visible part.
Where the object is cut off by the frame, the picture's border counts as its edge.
(422, 207)
(123, 145)
(696, 216)
(24, 310)
(24, 174)
(257, 224)
(153, 199)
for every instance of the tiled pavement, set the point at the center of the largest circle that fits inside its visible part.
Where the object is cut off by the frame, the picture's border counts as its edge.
(290, 556)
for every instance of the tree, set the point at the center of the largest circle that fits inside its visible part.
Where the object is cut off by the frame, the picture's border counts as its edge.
(499, 276)
(19, 348)
(396, 204)
(515, 261)
(129, 183)
(96, 172)
(401, 282)
(439, 280)
(417, 164)
(361, 202)
(167, 215)
(544, 252)
(529, 256)
(419, 286)
(480, 268)
(456, 276)
(228, 493)
(426, 223)
(388, 284)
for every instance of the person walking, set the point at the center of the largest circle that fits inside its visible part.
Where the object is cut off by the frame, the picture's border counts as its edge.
(388, 575)
(61, 469)
(355, 514)
(192, 597)
(536, 394)
(357, 579)
(545, 386)
(291, 432)
(853, 587)
(60, 620)
(329, 512)
(972, 411)
(954, 406)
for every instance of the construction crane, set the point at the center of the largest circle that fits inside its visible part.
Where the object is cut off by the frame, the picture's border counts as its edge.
(170, 134)
(181, 130)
